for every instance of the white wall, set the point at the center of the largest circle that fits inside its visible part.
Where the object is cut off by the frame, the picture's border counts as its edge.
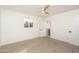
(12, 27)
(0, 26)
(62, 23)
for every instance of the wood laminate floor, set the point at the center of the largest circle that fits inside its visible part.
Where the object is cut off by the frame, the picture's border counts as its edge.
(40, 45)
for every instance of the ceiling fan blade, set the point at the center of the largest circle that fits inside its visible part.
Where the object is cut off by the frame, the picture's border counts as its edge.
(45, 12)
(45, 8)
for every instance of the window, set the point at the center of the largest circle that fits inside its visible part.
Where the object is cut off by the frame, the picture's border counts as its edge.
(28, 23)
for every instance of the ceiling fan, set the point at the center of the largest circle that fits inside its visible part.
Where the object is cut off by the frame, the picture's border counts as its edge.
(44, 9)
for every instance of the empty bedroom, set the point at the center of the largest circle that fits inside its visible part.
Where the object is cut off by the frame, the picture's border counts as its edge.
(39, 28)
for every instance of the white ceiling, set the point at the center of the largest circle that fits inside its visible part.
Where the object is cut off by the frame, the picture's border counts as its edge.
(36, 9)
